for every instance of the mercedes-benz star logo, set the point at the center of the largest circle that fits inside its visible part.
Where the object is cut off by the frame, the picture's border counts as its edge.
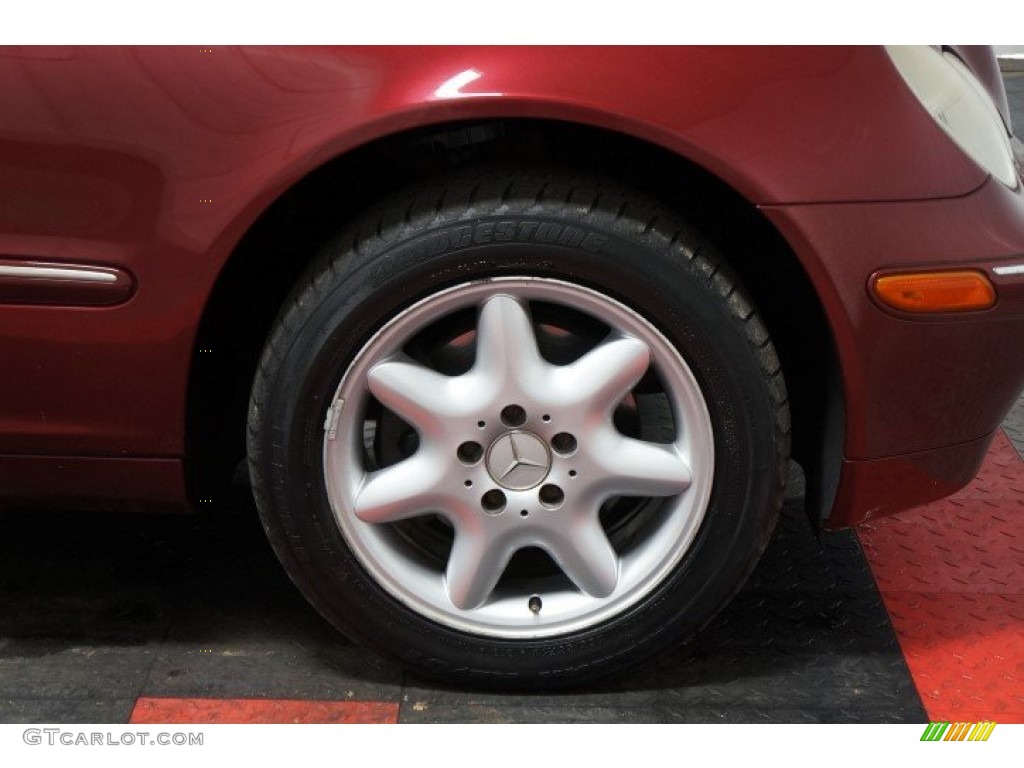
(518, 460)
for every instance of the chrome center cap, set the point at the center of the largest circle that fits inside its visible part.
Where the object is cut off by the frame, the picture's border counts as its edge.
(518, 460)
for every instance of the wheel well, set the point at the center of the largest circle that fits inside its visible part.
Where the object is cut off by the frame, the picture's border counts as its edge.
(279, 246)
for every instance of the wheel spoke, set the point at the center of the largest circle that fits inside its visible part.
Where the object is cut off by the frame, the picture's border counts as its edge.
(637, 468)
(587, 558)
(603, 376)
(506, 346)
(419, 395)
(404, 490)
(474, 567)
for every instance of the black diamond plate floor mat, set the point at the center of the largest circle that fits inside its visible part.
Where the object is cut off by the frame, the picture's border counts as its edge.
(100, 611)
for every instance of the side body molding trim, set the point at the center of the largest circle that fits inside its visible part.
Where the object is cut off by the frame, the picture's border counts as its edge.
(42, 282)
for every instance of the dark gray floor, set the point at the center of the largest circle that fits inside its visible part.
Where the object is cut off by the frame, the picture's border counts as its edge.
(1014, 426)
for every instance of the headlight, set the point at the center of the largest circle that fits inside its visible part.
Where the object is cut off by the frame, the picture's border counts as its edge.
(960, 105)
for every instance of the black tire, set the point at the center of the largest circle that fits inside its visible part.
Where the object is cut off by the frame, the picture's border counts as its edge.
(623, 245)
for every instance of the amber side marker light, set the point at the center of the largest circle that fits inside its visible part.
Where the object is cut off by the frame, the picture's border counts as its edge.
(921, 292)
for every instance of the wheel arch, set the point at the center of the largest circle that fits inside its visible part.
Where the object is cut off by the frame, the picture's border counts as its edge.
(277, 247)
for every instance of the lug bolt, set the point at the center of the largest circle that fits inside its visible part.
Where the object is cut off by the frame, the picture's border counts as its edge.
(493, 501)
(564, 444)
(469, 452)
(513, 416)
(551, 496)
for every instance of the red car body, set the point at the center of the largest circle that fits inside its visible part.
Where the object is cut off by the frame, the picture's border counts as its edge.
(191, 173)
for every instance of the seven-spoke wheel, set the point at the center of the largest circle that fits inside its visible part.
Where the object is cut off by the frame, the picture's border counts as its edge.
(520, 452)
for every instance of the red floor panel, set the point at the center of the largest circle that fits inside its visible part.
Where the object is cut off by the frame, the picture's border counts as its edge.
(222, 711)
(964, 652)
(952, 577)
